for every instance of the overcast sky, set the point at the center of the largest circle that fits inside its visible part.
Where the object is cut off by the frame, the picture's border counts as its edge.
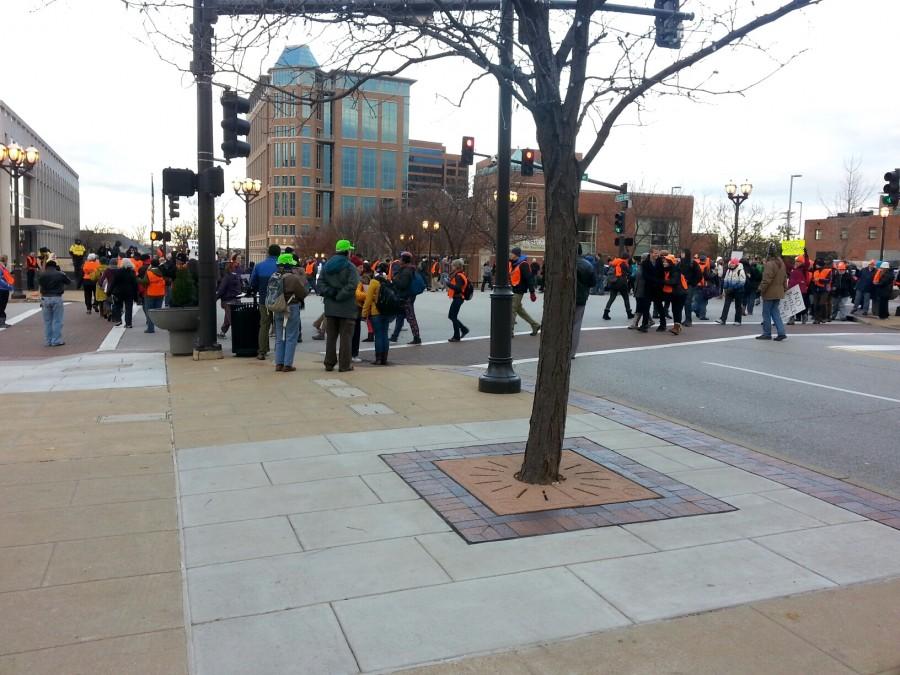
(89, 81)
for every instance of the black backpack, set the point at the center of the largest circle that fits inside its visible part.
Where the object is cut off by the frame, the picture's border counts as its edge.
(388, 302)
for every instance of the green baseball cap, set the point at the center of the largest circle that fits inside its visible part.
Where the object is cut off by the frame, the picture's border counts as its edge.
(343, 245)
(286, 259)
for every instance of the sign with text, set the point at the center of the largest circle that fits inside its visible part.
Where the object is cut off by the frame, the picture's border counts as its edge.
(792, 303)
(623, 197)
(736, 255)
(793, 246)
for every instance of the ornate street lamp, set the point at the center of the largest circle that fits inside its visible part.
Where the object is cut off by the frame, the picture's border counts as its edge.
(737, 199)
(247, 189)
(220, 219)
(430, 226)
(17, 162)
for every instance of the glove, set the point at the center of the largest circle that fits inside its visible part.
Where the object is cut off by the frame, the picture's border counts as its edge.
(533, 296)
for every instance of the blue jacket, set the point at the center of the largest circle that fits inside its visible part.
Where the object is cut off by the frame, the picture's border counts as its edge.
(259, 277)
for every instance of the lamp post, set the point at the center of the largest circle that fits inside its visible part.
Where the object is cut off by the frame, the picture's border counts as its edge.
(228, 228)
(737, 199)
(800, 220)
(247, 189)
(884, 212)
(430, 226)
(17, 162)
(791, 201)
(407, 238)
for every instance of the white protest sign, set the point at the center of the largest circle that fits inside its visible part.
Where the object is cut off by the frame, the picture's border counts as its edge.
(736, 255)
(792, 303)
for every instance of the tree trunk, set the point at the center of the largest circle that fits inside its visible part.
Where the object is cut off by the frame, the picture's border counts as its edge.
(548, 412)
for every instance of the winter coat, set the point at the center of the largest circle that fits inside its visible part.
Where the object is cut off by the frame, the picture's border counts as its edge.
(585, 280)
(799, 276)
(229, 287)
(403, 279)
(774, 277)
(735, 279)
(124, 284)
(339, 280)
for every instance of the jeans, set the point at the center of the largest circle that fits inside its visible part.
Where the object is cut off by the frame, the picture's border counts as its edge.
(338, 328)
(52, 312)
(151, 302)
(518, 310)
(287, 326)
(738, 298)
(770, 315)
(118, 306)
(380, 324)
(699, 304)
(862, 300)
(749, 301)
(576, 329)
(613, 293)
(458, 328)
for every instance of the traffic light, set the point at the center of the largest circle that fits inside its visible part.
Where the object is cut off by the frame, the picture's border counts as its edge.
(156, 235)
(527, 162)
(167, 236)
(668, 29)
(620, 222)
(233, 126)
(467, 156)
(891, 190)
(182, 182)
(173, 206)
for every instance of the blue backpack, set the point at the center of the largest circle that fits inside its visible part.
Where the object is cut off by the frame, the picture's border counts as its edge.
(417, 287)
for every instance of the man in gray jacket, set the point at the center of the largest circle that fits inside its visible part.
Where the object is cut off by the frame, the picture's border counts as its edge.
(337, 286)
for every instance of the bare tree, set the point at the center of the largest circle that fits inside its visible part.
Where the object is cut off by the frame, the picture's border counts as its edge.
(582, 70)
(756, 226)
(853, 192)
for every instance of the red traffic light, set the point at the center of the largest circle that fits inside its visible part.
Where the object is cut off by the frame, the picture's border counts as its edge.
(527, 162)
(467, 154)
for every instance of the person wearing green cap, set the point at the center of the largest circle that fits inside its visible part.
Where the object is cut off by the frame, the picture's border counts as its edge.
(337, 286)
(287, 323)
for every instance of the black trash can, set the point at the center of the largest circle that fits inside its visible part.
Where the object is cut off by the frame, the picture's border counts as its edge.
(244, 328)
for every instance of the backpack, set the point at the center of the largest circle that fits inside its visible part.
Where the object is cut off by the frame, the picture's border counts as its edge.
(388, 302)
(417, 287)
(468, 289)
(275, 301)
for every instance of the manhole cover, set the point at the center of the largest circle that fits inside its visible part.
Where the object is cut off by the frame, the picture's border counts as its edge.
(491, 480)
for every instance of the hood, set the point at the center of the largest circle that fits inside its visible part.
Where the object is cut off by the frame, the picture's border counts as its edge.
(521, 259)
(336, 263)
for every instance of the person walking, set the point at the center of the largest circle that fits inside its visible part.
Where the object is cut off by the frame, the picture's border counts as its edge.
(753, 272)
(228, 291)
(87, 280)
(381, 323)
(7, 284)
(77, 251)
(733, 286)
(287, 322)
(259, 281)
(617, 283)
(705, 287)
(820, 289)
(522, 283)
(585, 280)
(457, 287)
(674, 288)
(486, 272)
(124, 291)
(154, 284)
(771, 289)
(52, 284)
(337, 285)
(690, 270)
(404, 278)
(882, 284)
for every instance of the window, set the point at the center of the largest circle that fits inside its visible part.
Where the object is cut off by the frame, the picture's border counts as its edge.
(349, 118)
(873, 233)
(370, 120)
(292, 204)
(368, 204)
(284, 104)
(348, 167)
(276, 205)
(845, 233)
(285, 155)
(326, 122)
(388, 122)
(306, 132)
(306, 155)
(388, 170)
(305, 204)
(305, 229)
(657, 233)
(348, 205)
(293, 229)
(285, 131)
(305, 181)
(369, 167)
(531, 213)
(818, 235)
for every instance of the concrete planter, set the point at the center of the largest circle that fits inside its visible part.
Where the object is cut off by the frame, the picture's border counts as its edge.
(182, 324)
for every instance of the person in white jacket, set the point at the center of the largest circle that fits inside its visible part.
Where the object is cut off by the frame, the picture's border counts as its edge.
(733, 286)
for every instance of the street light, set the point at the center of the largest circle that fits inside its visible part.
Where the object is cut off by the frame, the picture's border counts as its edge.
(800, 219)
(737, 199)
(791, 201)
(884, 212)
(247, 189)
(17, 162)
(228, 228)
(430, 226)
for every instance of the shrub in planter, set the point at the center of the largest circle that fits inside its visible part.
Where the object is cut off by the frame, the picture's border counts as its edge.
(184, 289)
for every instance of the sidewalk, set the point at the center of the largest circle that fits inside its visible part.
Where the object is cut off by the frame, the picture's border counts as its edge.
(301, 547)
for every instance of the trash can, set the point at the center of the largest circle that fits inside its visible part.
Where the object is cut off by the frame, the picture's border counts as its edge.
(244, 328)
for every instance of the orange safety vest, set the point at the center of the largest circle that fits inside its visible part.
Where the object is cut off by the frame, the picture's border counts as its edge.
(877, 278)
(390, 274)
(704, 269)
(618, 264)
(31, 262)
(156, 285)
(435, 268)
(821, 277)
(310, 268)
(88, 269)
(515, 273)
(7, 277)
(462, 291)
(668, 288)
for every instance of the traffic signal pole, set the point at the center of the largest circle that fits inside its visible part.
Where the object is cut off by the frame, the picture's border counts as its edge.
(206, 346)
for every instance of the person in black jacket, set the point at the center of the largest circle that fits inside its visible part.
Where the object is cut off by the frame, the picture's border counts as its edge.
(124, 290)
(52, 284)
(403, 280)
(691, 272)
(585, 280)
(647, 289)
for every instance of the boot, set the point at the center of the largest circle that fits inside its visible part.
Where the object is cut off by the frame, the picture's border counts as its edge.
(377, 360)
(606, 315)
(371, 338)
(415, 341)
(676, 329)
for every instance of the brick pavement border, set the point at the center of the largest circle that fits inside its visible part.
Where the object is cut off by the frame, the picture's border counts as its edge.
(476, 523)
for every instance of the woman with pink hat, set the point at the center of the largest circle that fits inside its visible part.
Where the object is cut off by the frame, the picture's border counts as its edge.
(733, 286)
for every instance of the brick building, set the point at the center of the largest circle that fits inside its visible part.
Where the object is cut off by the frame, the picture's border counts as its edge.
(431, 167)
(854, 238)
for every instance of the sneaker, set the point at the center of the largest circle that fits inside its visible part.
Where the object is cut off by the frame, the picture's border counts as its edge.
(763, 337)
(260, 357)
(355, 359)
(118, 323)
(147, 330)
(415, 341)
(288, 369)
(642, 329)
(735, 323)
(465, 331)
(780, 338)
(453, 339)
(536, 329)
(721, 322)
(393, 339)
(319, 336)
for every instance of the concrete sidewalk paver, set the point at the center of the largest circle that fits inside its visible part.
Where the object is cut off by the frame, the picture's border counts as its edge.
(425, 624)
(242, 540)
